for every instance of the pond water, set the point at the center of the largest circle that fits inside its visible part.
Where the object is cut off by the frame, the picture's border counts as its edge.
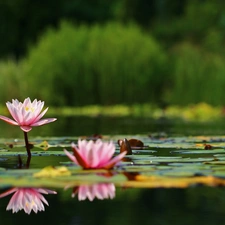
(82, 126)
(199, 205)
(174, 150)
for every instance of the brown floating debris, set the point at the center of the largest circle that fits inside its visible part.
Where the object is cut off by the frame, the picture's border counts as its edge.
(205, 146)
(10, 145)
(125, 146)
(136, 143)
(208, 146)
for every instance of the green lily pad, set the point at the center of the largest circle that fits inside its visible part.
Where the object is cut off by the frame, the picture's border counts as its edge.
(166, 161)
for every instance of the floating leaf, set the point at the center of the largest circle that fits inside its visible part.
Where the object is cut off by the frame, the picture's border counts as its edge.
(216, 162)
(165, 182)
(53, 172)
(168, 161)
(43, 145)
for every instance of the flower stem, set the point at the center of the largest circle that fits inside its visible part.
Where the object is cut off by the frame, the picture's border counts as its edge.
(27, 144)
(28, 162)
(20, 163)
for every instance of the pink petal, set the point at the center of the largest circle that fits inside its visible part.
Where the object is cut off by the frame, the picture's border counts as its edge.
(93, 158)
(28, 117)
(43, 121)
(26, 128)
(111, 190)
(8, 192)
(114, 161)
(41, 115)
(17, 115)
(15, 102)
(77, 158)
(83, 192)
(8, 120)
(10, 107)
(98, 191)
(102, 153)
(81, 161)
(90, 192)
(80, 154)
(105, 191)
(71, 157)
(84, 148)
(46, 191)
(107, 152)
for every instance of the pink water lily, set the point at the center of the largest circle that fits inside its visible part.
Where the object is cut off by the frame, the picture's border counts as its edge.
(94, 155)
(26, 114)
(99, 191)
(27, 199)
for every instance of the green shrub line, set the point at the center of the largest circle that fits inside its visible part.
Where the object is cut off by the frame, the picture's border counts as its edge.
(200, 112)
(113, 64)
(198, 76)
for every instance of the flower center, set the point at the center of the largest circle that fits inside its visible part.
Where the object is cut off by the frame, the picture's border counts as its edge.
(31, 109)
(30, 204)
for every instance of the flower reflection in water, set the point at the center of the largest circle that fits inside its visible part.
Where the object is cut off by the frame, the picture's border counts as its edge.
(100, 191)
(27, 198)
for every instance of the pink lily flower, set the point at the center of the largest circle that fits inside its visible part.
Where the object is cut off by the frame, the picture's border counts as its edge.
(94, 155)
(27, 114)
(99, 191)
(27, 198)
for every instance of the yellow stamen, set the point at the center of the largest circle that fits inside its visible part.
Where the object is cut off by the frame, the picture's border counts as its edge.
(29, 109)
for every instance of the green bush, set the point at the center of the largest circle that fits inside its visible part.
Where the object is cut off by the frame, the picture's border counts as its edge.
(99, 64)
(198, 76)
(12, 81)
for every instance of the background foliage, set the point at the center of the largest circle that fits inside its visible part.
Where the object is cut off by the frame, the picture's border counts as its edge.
(97, 64)
(111, 52)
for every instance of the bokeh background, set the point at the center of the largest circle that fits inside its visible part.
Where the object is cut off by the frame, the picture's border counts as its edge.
(99, 52)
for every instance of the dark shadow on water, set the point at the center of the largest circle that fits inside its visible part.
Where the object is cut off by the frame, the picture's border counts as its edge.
(35, 162)
(82, 125)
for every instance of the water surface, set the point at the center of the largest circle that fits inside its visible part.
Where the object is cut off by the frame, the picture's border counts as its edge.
(193, 205)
